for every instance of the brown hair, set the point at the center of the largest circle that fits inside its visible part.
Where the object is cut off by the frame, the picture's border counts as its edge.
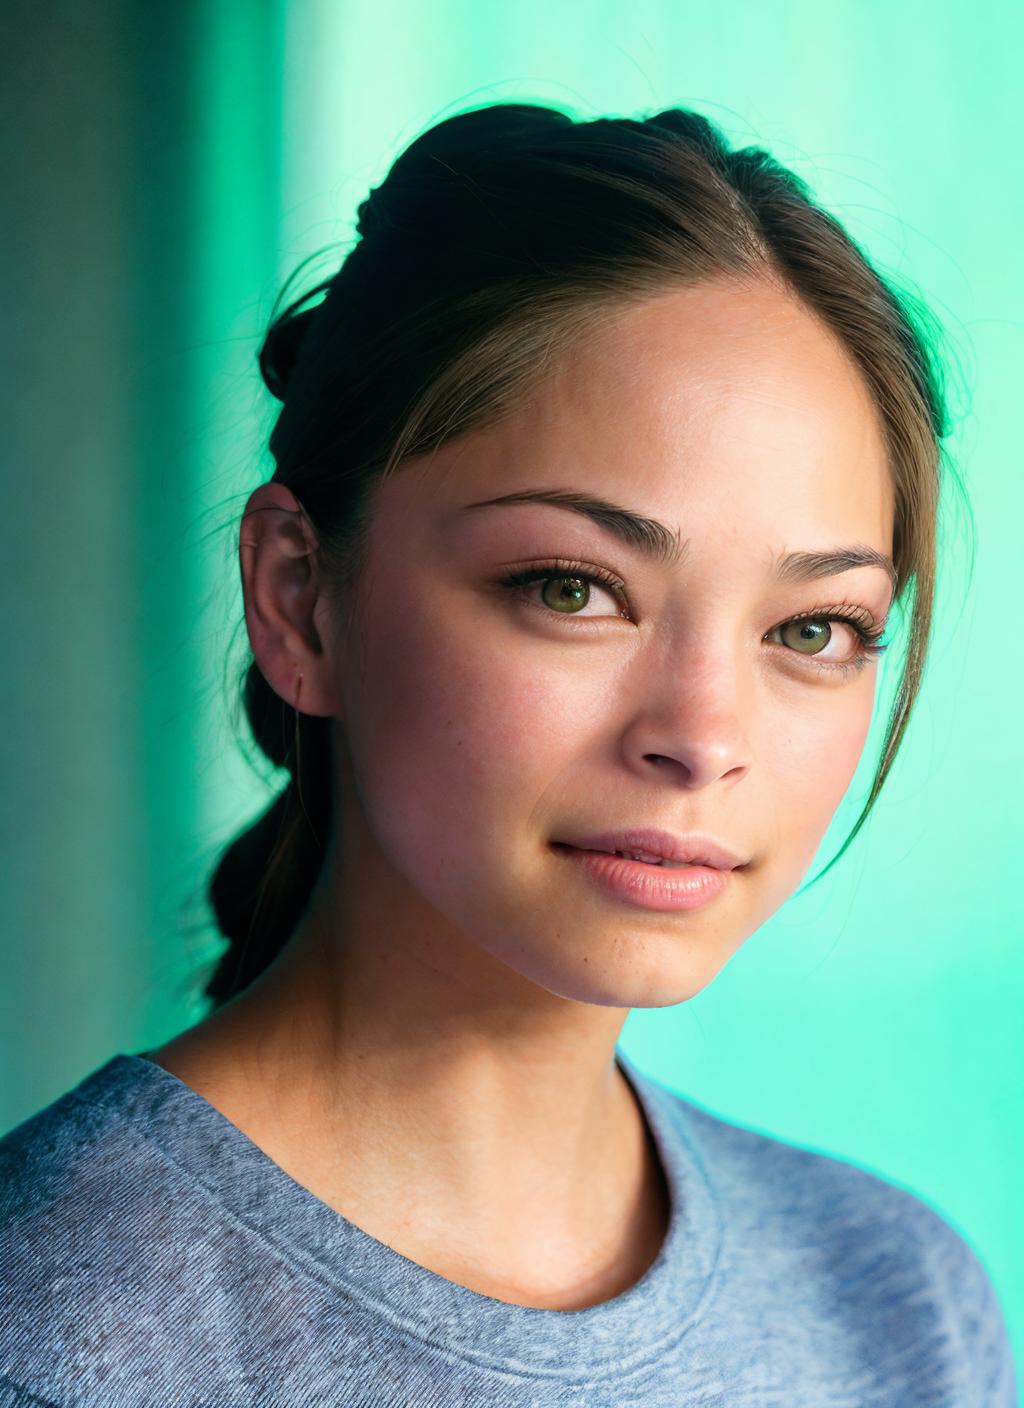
(497, 238)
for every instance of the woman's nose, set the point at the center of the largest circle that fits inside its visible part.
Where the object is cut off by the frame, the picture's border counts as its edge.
(697, 732)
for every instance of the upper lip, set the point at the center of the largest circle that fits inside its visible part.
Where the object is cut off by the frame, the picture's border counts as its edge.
(691, 847)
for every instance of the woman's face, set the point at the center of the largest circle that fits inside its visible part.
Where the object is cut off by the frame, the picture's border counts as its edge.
(483, 724)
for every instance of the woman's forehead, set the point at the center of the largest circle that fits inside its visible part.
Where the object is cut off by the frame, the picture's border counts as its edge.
(711, 366)
(755, 422)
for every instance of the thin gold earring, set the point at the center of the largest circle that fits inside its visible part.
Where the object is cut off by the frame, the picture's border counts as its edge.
(298, 763)
(298, 691)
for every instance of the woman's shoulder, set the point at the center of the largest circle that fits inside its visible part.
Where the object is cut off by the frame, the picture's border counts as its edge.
(64, 1152)
(771, 1181)
(847, 1239)
(83, 1196)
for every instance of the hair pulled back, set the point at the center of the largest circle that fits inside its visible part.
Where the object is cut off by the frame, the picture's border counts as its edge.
(498, 237)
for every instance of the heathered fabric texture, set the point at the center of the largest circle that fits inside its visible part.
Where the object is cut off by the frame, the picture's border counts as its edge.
(152, 1254)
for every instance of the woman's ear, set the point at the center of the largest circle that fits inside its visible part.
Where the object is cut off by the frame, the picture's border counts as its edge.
(284, 597)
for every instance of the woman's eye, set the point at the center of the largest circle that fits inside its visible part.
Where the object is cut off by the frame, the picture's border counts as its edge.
(811, 634)
(567, 592)
(807, 635)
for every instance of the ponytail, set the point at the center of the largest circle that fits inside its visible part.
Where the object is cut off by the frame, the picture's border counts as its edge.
(263, 880)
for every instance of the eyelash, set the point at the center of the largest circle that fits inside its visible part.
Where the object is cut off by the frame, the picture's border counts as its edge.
(869, 646)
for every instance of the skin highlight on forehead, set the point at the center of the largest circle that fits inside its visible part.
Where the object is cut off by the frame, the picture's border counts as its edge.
(747, 399)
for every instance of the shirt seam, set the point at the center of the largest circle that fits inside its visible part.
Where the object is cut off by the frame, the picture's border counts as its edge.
(303, 1263)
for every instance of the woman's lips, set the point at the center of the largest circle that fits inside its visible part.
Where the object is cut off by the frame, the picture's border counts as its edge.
(691, 846)
(647, 886)
(641, 858)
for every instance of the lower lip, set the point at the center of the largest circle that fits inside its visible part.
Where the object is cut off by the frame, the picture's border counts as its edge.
(649, 886)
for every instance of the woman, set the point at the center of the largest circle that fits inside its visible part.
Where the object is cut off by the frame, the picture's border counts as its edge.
(601, 469)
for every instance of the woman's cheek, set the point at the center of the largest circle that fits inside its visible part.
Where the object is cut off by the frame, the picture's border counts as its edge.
(813, 763)
(442, 729)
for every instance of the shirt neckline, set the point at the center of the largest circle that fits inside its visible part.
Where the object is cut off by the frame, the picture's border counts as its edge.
(616, 1336)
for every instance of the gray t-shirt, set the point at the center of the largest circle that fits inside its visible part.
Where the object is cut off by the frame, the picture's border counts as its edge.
(152, 1254)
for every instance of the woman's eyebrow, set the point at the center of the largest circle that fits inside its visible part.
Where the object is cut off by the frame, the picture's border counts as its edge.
(661, 545)
(807, 566)
(652, 539)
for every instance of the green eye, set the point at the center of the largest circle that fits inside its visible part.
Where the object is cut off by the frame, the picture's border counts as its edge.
(565, 598)
(566, 588)
(810, 633)
(807, 637)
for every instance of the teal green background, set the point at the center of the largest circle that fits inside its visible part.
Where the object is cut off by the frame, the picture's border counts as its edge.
(169, 167)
